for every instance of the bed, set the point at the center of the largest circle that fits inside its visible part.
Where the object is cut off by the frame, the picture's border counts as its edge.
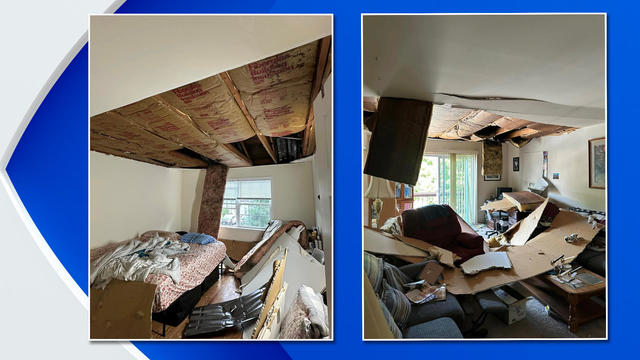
(199, 269)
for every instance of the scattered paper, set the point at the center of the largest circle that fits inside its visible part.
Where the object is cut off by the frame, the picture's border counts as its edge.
(427, 293)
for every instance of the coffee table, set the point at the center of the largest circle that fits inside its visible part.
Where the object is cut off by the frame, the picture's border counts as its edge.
(572, 305)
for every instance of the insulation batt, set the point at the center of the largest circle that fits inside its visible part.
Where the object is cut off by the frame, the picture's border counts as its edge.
(134, 260)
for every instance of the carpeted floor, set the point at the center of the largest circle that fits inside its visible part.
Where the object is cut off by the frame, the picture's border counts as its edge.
(537, 324)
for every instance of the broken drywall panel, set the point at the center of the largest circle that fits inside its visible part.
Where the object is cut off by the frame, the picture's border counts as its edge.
(498, 205)
(492, 260)
(277, 90)
(210, 104)
(533, 258)
(468, 125)
(491, 158)
(443, 117)
(122, 310)
(444, 256)
(381, 243)
(524, 200)
(273, 290)
(520, 233)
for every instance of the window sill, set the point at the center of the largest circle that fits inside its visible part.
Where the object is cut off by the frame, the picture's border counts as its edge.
(242, 228)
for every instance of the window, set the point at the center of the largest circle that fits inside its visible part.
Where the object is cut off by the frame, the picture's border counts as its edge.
(449, 179)
(247, 203)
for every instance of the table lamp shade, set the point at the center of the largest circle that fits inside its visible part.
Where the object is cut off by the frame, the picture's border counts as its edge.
(379, 188)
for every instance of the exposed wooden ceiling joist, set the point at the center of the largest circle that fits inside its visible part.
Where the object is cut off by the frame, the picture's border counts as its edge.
(321, 64)
(236, 95)
(452, 123)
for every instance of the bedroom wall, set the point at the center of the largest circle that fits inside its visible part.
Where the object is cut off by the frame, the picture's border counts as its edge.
(322, 176)
(291, 196)
(569, 157)
(130, 197)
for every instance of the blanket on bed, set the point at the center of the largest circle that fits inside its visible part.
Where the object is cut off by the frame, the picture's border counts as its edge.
(135, 260)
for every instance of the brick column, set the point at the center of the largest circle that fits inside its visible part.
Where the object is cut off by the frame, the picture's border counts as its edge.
(212, 197)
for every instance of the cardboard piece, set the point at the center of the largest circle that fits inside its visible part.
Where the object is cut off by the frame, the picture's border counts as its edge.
(273, 290)
(445, 257)
(382, 243)
(498, 205)
(531, 259)
(431, 273)
(276, 90)
(491, 260)
(521, 231)
(524, 200)
(122, 310)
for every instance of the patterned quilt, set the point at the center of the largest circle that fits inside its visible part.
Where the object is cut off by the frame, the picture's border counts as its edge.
(195, 265)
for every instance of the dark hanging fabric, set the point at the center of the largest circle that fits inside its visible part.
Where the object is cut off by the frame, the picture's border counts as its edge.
(212, 198)
(398, 140)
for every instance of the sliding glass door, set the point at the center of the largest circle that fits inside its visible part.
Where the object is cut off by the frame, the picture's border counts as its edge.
(449, 179)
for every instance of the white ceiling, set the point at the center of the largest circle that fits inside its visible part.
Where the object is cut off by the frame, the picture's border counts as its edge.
(136, 56)
(556, 63)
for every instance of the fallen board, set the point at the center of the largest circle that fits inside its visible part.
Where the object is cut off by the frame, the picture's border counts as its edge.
(380, 243)
(122, 310)
(498, 205)
(530, 259)
(524, 200)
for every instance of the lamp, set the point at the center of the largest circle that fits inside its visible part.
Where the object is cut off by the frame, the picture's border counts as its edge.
(378, 188)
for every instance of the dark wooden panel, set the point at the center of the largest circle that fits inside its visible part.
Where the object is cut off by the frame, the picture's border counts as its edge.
(398, 140)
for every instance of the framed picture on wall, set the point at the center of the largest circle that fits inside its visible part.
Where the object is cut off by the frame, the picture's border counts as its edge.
(492, 177)
(516, 164)
(597, 163)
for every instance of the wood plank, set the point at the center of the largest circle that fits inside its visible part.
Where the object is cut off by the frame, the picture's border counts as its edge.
(236, 95)
(232, 149)
(307, 132)
(323, 54)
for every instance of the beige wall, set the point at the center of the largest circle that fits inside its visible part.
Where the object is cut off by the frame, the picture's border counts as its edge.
(291, 196)
(130, 197)
(323, 180)
(569, 157)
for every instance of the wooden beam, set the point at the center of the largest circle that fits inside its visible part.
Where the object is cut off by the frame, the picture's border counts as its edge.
(307, 132)
(236, 95)
(321, 63)
(237, 153)
(178, 112)
(323, 55)
(246, 152)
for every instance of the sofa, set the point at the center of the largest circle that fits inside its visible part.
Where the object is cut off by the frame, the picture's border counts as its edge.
(431, 320)
(439, 225)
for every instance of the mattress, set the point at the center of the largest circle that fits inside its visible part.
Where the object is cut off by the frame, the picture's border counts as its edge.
(195, 266)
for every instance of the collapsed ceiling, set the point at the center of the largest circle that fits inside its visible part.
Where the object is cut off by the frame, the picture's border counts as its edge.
(455, 123)
(258, 114)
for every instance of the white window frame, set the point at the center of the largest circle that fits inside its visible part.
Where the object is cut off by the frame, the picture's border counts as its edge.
(239, 203)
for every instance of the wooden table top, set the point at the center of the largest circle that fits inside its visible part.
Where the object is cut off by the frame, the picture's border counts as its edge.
(586, 289)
